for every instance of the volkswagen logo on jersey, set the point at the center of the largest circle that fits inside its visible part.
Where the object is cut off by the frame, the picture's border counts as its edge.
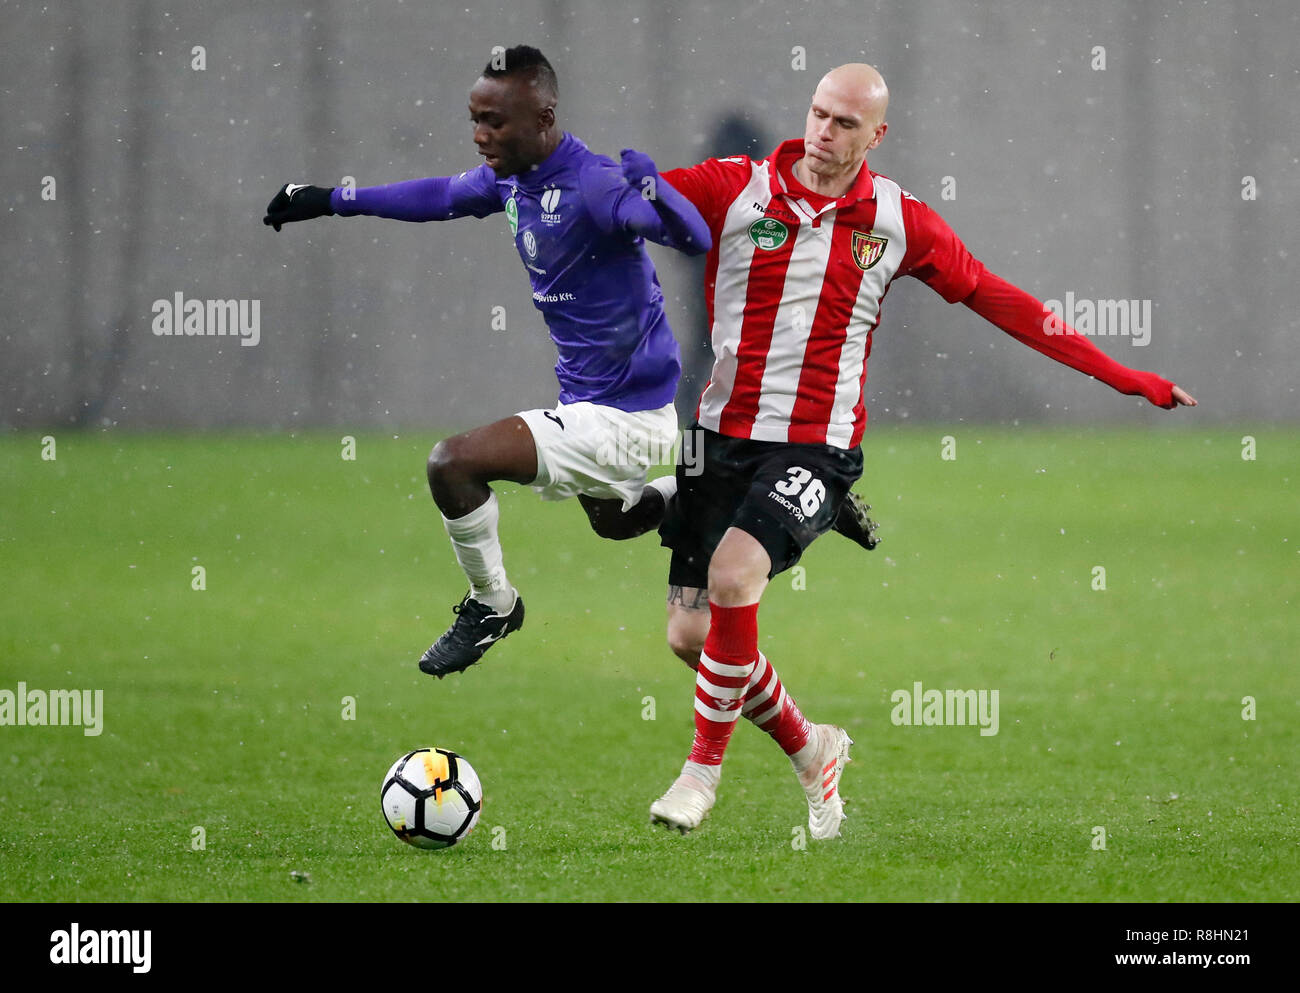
(867, 249)
(768, 234)
(530, 244)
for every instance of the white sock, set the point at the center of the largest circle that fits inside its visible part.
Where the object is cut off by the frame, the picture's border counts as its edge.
(805, 760)
(710, 774)
(478, 550)
(666, 485)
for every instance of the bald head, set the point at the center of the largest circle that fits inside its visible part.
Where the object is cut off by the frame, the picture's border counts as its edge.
(846, 120)
(859, 86)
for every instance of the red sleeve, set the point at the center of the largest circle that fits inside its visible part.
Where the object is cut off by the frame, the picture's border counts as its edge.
(711, 186)
(935, 255)
(1027, 320)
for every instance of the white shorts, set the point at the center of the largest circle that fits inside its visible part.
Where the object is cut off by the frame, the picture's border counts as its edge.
(601, 451)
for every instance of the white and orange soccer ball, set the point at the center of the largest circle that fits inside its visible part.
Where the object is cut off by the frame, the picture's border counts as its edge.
(431, 798)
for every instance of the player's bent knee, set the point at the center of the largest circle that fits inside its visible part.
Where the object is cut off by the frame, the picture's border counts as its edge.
(691, 658)
(738, 570)
(730, 582)
(688, 650)
(444, 461)
(686, 638)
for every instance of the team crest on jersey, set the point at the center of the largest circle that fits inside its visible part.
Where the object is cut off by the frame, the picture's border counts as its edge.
(768, 234)
(867, 249)
(512, 215)
(550, 202)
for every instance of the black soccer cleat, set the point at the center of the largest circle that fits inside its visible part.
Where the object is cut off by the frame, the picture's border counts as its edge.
(476, 629)
(854, 524)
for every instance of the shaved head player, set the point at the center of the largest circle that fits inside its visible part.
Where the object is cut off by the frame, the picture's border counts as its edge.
(805, 244)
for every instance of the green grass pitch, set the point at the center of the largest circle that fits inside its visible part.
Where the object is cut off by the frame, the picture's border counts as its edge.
(1120, 709)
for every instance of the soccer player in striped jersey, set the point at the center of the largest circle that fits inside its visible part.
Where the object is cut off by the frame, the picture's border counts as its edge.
(805, 245)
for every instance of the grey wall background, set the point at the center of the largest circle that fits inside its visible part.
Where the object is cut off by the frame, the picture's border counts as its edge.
(1122, 183)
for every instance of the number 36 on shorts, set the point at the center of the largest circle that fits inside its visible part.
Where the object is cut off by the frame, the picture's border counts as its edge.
(811, 491)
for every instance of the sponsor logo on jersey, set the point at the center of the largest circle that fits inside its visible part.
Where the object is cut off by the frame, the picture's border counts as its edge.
(530, 244)
(768, 234)
(775, 210)
(552, 297)
(798, 514)
(867, 249)
(512, 215)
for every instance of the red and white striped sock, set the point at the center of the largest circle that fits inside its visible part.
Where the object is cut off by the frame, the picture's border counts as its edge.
(773, 710)
(726, 666)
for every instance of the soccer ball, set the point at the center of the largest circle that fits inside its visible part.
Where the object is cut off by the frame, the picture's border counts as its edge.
(431, 798)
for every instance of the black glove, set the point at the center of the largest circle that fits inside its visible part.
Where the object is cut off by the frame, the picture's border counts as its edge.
(296, 202)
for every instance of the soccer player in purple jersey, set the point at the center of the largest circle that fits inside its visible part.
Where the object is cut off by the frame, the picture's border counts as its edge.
(579, 221)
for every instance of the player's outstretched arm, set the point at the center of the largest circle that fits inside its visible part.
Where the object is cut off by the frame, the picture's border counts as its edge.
(438, 198)
(640, 203)
(1026, 319)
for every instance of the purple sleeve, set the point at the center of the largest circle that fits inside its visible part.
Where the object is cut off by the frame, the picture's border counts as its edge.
(439, 198)
(668, 219)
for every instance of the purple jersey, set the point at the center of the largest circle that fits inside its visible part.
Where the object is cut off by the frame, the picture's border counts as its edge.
(579, 230)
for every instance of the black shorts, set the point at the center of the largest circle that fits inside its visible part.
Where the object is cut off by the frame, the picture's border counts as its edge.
(783, 494)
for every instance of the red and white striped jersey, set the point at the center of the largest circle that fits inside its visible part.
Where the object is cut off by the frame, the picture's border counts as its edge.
(794, 286)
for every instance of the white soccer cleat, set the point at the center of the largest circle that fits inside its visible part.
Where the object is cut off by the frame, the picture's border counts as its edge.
(819, 765)
(690, 798)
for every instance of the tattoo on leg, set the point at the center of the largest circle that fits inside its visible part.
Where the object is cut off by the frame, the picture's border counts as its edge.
(677, 595)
